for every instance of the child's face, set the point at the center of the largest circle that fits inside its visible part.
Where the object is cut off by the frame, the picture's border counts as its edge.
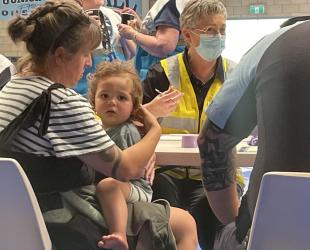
(113, 102)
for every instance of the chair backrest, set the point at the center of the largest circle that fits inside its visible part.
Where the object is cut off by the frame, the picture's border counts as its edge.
(282, 213)
(21, 222)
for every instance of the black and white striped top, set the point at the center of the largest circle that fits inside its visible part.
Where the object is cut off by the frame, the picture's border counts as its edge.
(73, 128)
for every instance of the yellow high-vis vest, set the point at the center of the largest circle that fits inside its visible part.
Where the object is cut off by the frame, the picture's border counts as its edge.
(185, 119)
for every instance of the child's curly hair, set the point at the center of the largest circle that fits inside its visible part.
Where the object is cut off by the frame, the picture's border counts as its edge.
(116, 68)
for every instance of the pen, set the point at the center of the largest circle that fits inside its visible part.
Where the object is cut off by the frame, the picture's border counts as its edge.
(159, 92)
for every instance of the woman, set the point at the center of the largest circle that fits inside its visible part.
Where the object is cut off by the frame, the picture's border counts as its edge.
(52, 131)
(112, 46)
(160, 40)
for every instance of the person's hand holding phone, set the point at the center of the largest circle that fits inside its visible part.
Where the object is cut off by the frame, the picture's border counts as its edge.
(130, 18)
(95, 14)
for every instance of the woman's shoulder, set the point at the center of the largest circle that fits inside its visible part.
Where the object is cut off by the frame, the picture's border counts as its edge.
(33, 86)
(66, 98)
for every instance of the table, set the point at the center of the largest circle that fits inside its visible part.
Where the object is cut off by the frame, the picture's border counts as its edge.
(169, 152)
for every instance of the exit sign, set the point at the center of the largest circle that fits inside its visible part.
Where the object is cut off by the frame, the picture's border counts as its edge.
(257, 9)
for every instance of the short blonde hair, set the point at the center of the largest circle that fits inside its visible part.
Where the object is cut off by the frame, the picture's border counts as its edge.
(116, 68)
(195, 10)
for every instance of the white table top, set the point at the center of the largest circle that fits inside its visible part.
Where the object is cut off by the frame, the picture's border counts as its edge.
(170, 152)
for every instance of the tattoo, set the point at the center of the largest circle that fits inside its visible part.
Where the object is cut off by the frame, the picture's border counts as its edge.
(217, 157)
(113, 156)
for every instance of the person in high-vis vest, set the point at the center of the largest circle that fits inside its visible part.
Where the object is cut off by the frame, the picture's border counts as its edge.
(198, 73)
(159, 36)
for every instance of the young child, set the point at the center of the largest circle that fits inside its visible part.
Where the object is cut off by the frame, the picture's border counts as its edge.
(115, 93)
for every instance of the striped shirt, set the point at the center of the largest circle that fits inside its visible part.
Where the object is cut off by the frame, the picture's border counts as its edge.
(73, 129)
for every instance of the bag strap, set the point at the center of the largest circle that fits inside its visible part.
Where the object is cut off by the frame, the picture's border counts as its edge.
(40, 106)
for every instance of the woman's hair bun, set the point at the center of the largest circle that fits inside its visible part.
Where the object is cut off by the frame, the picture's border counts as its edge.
(20, 29)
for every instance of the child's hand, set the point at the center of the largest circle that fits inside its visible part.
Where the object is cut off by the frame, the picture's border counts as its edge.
(149, 173)
(145, 120)
(164, 103)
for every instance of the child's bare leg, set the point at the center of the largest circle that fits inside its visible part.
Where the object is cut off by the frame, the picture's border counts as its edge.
(112, 195)
(183, 227)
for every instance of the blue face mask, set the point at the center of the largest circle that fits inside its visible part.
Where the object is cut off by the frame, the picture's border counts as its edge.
(210, 47)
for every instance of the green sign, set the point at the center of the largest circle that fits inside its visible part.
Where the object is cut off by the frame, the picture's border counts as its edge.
(257, 9)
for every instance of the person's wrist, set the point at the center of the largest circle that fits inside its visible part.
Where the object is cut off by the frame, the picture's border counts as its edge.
(134, 36)
(157, 127)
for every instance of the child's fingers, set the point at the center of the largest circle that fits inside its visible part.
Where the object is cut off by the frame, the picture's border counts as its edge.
(149, 168)
(152, 176)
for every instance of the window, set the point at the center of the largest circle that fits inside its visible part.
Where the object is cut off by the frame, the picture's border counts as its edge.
(241, 35)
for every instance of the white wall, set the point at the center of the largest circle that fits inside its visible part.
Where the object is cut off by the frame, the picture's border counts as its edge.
(241, 35)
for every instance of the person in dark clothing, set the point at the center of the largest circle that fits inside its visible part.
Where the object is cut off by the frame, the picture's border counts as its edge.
(269, 88)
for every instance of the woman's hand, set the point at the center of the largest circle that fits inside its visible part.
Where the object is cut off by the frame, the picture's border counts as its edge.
(94, 15)
(164, 103)
(126, 31)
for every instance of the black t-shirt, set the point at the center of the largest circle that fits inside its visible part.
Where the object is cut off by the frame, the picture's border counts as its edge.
(168, 16)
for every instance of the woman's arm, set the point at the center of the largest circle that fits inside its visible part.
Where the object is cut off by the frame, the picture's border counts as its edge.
(164, 41)
(129, 48)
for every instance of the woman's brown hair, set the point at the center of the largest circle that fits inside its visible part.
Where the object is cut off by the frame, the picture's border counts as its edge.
(55, 23)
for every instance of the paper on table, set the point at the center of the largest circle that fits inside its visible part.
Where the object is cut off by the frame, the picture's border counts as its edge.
(246, 148)
(171, 137)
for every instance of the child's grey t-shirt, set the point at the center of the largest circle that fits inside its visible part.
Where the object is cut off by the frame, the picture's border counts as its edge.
(124, 136)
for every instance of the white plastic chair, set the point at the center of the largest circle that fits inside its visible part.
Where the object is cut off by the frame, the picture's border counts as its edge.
(282, 215)
(21, 222)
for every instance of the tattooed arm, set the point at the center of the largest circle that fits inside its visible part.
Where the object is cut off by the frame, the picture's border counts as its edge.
(218, 168)
(106, 162)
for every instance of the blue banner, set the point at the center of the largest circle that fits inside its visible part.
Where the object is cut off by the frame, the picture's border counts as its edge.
(9, 8)
(133, 4)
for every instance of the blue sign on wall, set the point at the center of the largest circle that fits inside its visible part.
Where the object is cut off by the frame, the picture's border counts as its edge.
(9, 8)
(133, 4)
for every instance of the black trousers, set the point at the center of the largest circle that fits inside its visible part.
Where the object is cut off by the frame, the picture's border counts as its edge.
(189, 194)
